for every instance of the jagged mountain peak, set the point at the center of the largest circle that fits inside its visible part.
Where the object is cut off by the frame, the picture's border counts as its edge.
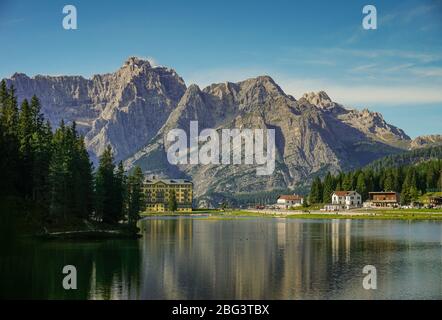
(193, 88)
(426, 141)
(19, 75)
(374, 124)
(136, 61)
(191, 96)
(264, 83)
(124, 108)
(133, 67)
(250, 92)
(133, 109)
(318, 99)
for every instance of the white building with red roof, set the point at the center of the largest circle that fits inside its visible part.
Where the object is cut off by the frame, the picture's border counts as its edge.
(344, 200)
(289, 201)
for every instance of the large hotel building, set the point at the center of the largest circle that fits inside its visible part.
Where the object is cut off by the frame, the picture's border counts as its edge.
(158, 191)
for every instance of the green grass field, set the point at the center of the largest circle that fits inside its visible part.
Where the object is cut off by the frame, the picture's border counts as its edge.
(392, 214)
(421, 216)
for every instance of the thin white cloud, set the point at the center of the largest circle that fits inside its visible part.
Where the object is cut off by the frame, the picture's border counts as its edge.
(399, 67)
(428, 72)
(423, 57)
(407, 16)
(348, 93)
(364, 95)
(363, 68)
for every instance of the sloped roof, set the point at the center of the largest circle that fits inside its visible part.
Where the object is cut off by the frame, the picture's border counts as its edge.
(383, 192)
(291, 197)
(167, 181)
(343, 193)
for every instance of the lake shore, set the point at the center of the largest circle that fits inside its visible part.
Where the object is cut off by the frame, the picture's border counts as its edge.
(89, 235)
(86, 230)
(380, 214)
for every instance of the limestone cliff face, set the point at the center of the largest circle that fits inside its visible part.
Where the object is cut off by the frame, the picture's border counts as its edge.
(426, 141)
(62, 97)
(135, 107)
(313, 135)
(124, 109)
(370, 123)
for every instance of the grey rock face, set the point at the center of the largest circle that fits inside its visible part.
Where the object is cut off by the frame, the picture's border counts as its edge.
(124, 109)
(426, 141)
(62, 97)
(313, 135)
(135, 107)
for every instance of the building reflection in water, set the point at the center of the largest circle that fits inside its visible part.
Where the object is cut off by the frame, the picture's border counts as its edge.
(207, 258)
(242, 258)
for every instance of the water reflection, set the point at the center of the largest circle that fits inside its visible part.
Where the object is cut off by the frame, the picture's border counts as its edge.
(288, 259)
(105, 270)
(202, 258)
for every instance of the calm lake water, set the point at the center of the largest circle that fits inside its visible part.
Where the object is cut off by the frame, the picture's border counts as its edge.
(242, 258)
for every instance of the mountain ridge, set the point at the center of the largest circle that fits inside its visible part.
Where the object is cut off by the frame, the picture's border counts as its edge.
(133, 108)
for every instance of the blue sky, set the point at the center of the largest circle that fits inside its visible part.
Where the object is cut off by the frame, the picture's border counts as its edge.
(304, 45)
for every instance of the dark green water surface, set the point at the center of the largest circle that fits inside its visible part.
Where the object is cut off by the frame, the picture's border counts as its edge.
(242, 258)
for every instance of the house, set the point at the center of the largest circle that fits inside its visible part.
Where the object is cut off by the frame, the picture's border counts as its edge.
(344, 200)
(389, 199)
(158, 192)
(289, 201)
(435, 201)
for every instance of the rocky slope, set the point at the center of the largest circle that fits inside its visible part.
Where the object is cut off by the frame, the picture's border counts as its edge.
(124, 109)
(134, 108)
(313, 135)
(426, 141)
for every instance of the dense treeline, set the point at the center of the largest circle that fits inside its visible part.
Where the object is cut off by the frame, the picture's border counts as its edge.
(229, 199)
(407, 158)
(410, 181)
(48, 177)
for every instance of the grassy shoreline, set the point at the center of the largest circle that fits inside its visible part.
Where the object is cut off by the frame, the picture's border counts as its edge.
(393, 214)
(77, 229)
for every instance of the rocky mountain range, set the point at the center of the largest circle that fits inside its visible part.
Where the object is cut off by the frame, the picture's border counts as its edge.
(124, 109)
(135, 107)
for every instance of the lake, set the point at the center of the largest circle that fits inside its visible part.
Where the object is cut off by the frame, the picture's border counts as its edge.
(238, 258)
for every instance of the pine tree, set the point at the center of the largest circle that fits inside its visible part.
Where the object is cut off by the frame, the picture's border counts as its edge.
(329, 188)
(82, 179)
(70, 176)
(9, 160)
(431, 177)
(397, 175)
(347, 182)
(361, 186)
(25, 132)
(172, 203)
(41, 144)
(135, 195)
(36, 115)
(409, 187)
(338, 186)
(10, 112)
(119, 193)
(105, 188)
(339, 180)
(439, 182)
(316, 192)
(59, 176)
(370, 180)
(4, 94)
(389, 184)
